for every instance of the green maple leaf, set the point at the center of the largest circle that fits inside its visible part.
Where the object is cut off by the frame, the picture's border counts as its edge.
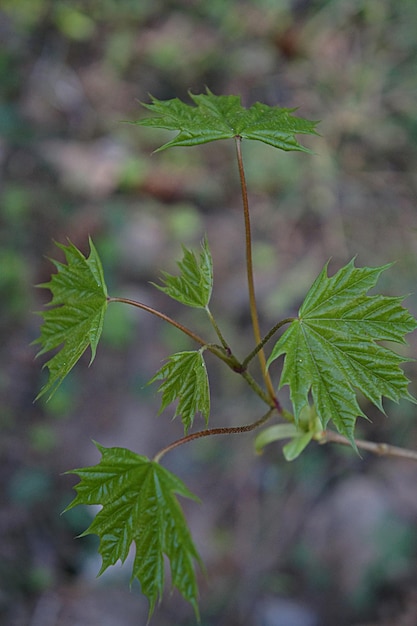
(194, 285)
(74, 319)
(139, 506)
(331, 348)
(223, 117)
(186, 380)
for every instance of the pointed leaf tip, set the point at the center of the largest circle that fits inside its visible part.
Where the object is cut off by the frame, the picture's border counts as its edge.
(212, 117)
(194, 284)
(73, 320)
(331, 350)
(185, 379)
(140, 507)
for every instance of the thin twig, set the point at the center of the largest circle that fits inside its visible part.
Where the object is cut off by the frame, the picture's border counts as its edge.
(381, 449)
(218, 331)
(218, 351)
(258, 390)
(267, 337)
(162, 316)
(231, 430)
(249, 271)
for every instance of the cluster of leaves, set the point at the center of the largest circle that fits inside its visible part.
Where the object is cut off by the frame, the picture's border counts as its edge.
(330, 353)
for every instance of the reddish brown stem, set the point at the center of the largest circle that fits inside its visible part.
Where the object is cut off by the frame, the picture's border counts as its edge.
(162, 316)
(249, 271)
(231, 430)
(218, 351)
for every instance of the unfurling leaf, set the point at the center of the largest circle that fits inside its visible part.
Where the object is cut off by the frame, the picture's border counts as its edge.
(139, 507)
(223, 117)
(331, 350)
(194, 285)
(301, 434)
(295, 447)
(186, 380)
(74, 319)
(274, 433)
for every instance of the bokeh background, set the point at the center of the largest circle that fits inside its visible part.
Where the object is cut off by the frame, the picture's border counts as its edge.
(330, 539)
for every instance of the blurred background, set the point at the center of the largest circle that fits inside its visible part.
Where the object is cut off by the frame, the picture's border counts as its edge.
(329, 539)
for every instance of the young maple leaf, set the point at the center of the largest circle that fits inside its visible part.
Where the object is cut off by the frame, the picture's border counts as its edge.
(186, 379)
(331, 350)
(74, 319)
(139, 507)
(194, 285)
(223, 117)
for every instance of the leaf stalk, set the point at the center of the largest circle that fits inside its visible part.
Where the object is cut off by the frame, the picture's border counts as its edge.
(162, 316)
(267, 337)
(222, 352)
(249, 271)
(218, 331)
(209, 432)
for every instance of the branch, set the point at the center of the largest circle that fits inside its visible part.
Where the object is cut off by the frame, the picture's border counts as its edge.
(218, 331)
(219, 351)
(216, 350)
(231, 430)
(267, 337)
(162, 316)
(249, 271)
(381, 449)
